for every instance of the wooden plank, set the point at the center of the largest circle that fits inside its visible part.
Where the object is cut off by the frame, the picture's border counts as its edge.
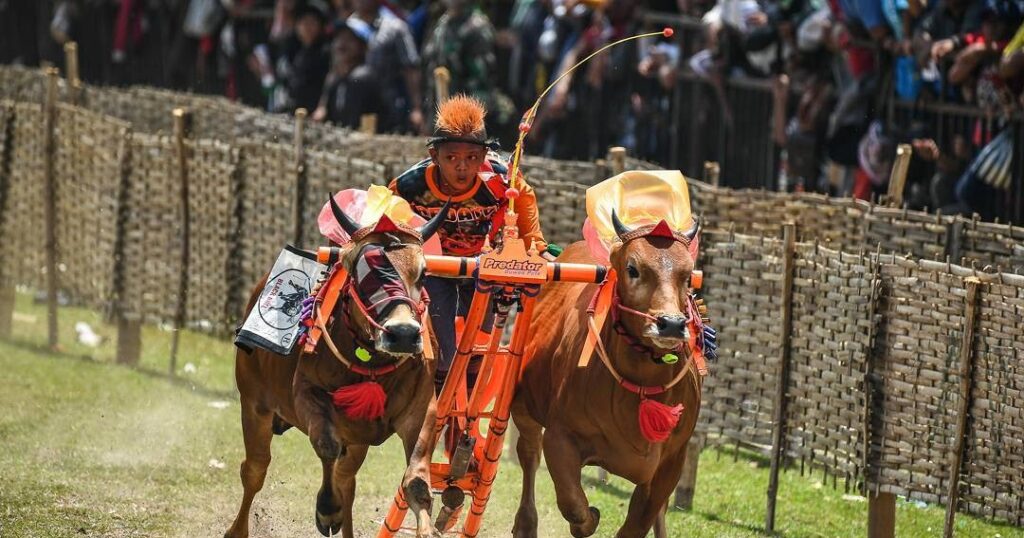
(71, 65)
(129, 341)
(966, 383)
(687, 486)
(299, 143)
(50, 180)
(181, 118)
(786, 328)
(6, 283)
(898, 178)
(712, 173)
(882, 515)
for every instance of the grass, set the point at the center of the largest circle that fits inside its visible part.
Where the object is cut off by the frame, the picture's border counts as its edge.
(90, 448)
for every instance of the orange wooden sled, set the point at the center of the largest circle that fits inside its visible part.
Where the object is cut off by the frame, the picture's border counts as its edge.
(506, 278)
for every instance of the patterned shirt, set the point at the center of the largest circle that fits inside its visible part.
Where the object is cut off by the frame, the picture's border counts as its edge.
(478, 213)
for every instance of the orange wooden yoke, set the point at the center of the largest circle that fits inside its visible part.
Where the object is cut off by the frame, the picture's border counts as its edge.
(507, 278)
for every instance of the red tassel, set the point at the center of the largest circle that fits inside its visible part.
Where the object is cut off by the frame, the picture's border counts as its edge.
(362, 401)
(657, 420)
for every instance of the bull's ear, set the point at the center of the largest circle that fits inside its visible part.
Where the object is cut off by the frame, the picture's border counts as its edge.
(613, 253)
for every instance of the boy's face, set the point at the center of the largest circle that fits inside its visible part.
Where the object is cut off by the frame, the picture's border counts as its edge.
(459, 163)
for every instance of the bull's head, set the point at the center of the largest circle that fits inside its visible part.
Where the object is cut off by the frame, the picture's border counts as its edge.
(654, 266)
(387, 267)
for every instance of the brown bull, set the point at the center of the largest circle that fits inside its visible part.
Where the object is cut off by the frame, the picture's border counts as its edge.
(584, 415)
(278, 392)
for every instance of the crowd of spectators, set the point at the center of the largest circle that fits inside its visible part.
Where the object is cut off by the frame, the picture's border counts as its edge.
(833, 66)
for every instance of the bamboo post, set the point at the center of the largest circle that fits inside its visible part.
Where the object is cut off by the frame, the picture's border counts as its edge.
(966, 384)
(181, 118)
(299, 142)
(882, 515)
(71, 64)
(442, 84)
(129, 331)
(52, 283)
(7, 295)
(712, 173)
(688, 481)
(779, 423)
(617, 159)
(898, 179)
(368, 124)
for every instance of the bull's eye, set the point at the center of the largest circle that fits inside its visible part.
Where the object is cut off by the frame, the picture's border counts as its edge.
(633, 271)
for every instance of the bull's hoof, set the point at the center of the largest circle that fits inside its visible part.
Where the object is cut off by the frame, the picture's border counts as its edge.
(328, 525)
(588, 527)
(417, 491)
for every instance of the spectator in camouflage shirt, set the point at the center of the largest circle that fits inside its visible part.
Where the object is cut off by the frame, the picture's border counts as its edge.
(463, 42)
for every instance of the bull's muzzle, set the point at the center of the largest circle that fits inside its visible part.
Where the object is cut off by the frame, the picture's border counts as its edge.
(400, 338)
(671, 326)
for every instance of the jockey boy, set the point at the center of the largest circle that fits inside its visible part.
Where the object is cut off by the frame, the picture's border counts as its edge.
(464, 167)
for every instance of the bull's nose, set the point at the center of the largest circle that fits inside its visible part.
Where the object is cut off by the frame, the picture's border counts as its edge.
(402, 338)
(671, 326)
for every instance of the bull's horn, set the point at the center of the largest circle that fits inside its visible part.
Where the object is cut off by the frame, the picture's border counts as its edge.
(347, 224)
(620, 228)
(428, 229)
(692, 232)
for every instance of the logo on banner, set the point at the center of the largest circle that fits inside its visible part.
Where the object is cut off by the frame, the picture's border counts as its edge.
(281, 301)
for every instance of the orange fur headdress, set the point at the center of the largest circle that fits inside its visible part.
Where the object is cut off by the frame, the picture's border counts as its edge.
(461, 119)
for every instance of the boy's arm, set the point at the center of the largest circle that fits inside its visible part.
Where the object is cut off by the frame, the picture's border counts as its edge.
(529, 217)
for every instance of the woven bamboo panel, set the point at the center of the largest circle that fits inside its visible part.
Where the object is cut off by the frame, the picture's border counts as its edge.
(992, 482)
(152, 240)
(988, 244)
(24, 207)
(916, 380)
(583, 173)
(904, 232)
(328, 172)
(90, 149)
(267, 193)
(365, 172)
(834, 222)
(744, 297)
(830, 346)
(24, 84)
(213, 218)
(325, 137)
(255, 126)
(563, 208)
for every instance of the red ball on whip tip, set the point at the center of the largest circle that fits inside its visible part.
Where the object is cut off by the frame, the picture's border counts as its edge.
(667, 32)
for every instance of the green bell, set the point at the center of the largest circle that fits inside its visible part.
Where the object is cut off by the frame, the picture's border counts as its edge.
(362, 354)
(670, 358)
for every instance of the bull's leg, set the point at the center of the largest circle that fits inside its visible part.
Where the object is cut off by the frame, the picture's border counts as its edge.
(564, 464)
(417, 433)
(528, 449)
(328, 506)
(313, 407)
(660, 530)
(257, 431)
(649, 500)
(345, 470)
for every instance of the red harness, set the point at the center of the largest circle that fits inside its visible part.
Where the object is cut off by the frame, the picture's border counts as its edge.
(656, 420)
(365, 400)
